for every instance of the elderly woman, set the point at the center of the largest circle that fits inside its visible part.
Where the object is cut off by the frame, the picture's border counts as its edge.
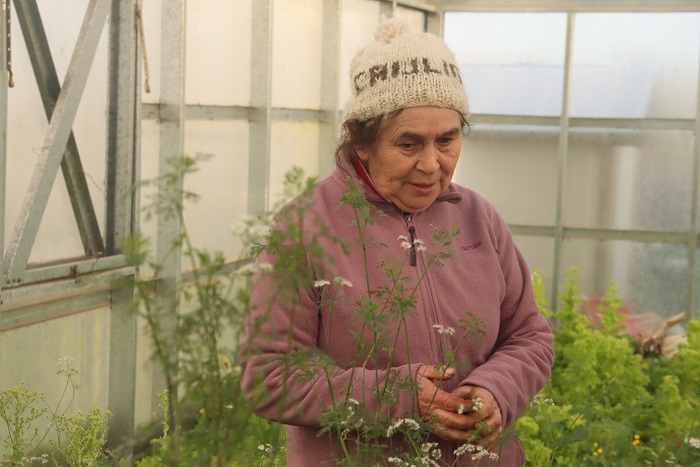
(423, 310)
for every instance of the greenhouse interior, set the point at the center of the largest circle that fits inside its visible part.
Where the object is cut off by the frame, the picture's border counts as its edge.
(187, 151)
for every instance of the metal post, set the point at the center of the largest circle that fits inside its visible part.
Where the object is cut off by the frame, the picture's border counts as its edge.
(563, 157)
(260, 90)
(330, 70)
(122, 141)
(3, 135)
(172, 122)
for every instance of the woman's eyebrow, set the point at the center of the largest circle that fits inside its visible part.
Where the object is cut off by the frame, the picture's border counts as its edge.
(411, 135)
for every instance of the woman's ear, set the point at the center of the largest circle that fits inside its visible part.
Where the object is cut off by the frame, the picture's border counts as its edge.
(360, 151)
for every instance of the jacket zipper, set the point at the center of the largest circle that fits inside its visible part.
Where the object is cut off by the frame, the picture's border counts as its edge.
(412, 236)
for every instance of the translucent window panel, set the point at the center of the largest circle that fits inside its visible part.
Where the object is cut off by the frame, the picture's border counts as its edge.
(221, 182)
(293, 144)
(650, 277)
(296, 53)
(512, 63)
(218, 43)
(58, 236)
(30, 355)
(635, 65)
(629, 179)
(414, 18)
(514, 167)
(539, 255)
(359, 19)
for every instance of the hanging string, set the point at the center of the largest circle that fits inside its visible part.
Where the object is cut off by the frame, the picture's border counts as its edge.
(139, 25)
(8, 21)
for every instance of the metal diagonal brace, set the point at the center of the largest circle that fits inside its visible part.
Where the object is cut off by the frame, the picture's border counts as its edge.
(55, 140)
(49, 88)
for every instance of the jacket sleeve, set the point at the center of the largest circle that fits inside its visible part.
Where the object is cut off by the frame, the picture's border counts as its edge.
(288, 379)
(521, 361)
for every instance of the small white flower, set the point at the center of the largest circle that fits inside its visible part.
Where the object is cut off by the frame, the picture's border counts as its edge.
(426, 447)
(321, 283)
(539, 399)
(693, 442)
(65, 361)
(418, 241)
(406, 245)
(265, 267)
(402, 238)
(342, 281)
(444, 329)
(396, 460)
(247, 269)
(461, 409)
(478, 404)
(466, 447)
(265, 447)
(420, 248)
(411, 423)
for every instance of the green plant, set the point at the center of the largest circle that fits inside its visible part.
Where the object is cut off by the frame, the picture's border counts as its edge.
(19, 409)
(194, 331)
(613, 407)
(79, 437)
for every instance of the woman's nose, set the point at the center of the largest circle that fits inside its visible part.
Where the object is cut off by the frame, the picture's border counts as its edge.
(428, 160)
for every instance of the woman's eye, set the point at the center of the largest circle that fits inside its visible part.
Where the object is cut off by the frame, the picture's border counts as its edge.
(445, 141)
(407, 145)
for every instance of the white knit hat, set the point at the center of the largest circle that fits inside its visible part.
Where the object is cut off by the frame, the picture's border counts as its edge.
(403, 69)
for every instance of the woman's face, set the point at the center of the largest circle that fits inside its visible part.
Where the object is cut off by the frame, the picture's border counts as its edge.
(415, 155)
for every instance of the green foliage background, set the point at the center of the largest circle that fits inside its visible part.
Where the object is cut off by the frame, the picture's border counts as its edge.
(605, 403)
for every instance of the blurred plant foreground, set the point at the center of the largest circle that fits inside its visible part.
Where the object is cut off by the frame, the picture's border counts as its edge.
(615, 398)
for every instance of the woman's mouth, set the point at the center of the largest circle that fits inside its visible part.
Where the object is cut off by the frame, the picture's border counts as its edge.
(423, 188)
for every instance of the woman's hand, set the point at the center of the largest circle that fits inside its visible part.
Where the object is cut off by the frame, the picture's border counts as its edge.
(441, 408)
(489, 424)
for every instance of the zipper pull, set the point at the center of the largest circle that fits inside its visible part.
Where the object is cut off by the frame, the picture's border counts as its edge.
(412, 233)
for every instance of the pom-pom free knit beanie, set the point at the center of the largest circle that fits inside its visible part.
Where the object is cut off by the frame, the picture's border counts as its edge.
(403, 69)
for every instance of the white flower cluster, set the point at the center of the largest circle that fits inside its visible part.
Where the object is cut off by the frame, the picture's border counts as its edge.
(478, 404)
(398, 461)
(692, 442)
(351, 422)
(430, 450)
(68, 370)
(477, 452)
(406, 245)
(539, 400)
(409, 422)
(449, 330)
(321, 283)
(249, 269)
(266, 448)
(342, 281)
(253, 230)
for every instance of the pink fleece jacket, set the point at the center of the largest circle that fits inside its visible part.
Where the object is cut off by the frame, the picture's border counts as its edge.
(487, 278)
